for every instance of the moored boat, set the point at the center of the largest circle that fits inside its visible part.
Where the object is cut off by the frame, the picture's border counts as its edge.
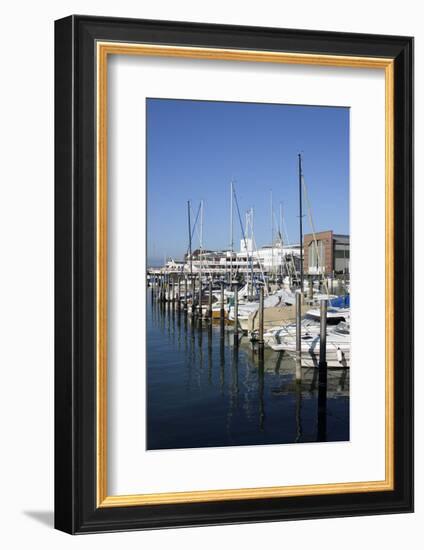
(337, 349)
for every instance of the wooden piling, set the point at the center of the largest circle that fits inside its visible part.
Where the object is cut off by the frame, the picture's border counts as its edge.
(210, 301)
(222, 311)
(235, 309)
(298, 336)
(322, 375)
(323, 335)
(193, 295)
(311, 287)
(261, 317)
(185, 293)
(200, 297)
(179, 292)
(162, 289)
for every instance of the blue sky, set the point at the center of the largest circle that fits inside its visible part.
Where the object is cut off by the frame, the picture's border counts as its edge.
(195, 148)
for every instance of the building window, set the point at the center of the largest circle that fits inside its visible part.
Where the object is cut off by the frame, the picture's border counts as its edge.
(341, 253)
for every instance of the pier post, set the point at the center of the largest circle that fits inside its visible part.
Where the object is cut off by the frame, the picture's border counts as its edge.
(200, 297)
(344, 282)
(193, 296)
(261, 317)
(235, 310)
(323, 334)
(185, 293)
(162, 289)
(311, 287)
(210, 300)
(322, 375)
(168, 293)
(222, 352)
(261, 386)
(298, 336)
(222, 312)
(179, 293)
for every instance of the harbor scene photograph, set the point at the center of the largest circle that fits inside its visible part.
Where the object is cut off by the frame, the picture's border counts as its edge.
(248, 274)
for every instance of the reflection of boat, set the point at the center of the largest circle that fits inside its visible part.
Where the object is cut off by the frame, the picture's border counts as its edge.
(337, 383)
(283, 365)
(338, 344)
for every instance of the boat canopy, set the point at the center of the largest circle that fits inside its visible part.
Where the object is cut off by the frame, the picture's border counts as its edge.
(340, 301)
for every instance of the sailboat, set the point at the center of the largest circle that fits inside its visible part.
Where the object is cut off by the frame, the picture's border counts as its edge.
(283, 338)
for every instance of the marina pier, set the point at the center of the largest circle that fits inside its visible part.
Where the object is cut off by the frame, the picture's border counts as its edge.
(210, 385)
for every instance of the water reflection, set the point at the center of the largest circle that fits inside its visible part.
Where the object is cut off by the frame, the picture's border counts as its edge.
(210, 387)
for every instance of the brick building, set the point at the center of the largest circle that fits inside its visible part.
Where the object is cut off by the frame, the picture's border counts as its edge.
(330, 254)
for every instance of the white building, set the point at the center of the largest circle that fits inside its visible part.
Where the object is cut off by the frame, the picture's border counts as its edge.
(268, 259)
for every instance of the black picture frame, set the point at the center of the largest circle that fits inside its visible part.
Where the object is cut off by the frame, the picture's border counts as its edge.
(76, 510)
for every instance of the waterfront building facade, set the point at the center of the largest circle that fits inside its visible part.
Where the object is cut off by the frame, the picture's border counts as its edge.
(327, 253)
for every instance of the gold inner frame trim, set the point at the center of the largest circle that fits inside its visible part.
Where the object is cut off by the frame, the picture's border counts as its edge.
(104, 49)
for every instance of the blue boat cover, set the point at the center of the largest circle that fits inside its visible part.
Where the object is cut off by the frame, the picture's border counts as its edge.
(340, 301)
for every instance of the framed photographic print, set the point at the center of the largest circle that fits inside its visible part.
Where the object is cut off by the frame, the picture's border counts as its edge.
(233, 235)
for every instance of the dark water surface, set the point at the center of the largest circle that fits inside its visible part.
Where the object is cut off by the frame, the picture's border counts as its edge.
(204, 391)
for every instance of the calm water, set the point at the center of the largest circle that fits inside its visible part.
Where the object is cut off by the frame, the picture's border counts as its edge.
(204, 391)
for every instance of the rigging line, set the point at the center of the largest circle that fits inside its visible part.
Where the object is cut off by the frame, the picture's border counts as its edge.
(305, 191)
(199, 232)
(251, 235)
(280, 229)
(284, 265)
(291, 255)
(280, 238)
(241, 225)
(279, 235)
(195, 222)
(260, 265)
(239, 217)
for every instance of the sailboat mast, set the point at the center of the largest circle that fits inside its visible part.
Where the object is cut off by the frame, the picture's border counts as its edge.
(231, 232)
(272, 236)
(251, 240)
(281, 240)
(246, 242)
(189, 238)
(201, 239)
(300, 222)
